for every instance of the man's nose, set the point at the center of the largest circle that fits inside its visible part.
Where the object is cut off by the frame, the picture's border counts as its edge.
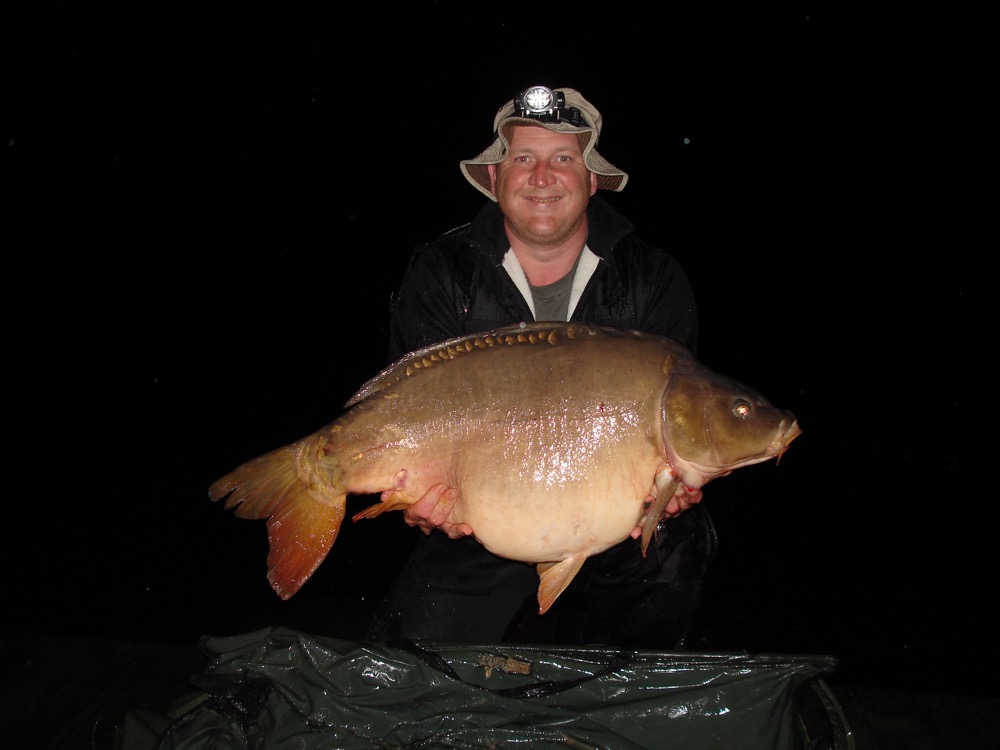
(542, 175)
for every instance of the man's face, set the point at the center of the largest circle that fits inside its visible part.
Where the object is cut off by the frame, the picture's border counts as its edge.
(543, 185)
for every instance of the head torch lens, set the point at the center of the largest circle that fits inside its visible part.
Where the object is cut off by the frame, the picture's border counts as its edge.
(537, 100)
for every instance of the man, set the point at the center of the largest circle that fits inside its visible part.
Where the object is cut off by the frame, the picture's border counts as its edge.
(544, 247)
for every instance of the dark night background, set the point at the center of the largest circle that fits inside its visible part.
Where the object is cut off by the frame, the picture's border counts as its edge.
(205, 221)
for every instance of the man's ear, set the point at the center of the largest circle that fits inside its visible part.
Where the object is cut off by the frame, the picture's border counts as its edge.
(492, 170)
(593, 183)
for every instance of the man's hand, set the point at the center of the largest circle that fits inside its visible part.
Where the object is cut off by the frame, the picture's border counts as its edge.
(431, 512)
(683, 499)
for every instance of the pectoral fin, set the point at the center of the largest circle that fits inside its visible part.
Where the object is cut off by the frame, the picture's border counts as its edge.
(390, 500)
(666, 484)
(554, 577)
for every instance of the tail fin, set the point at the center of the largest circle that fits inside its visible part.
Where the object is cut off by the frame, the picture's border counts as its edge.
(303, 517)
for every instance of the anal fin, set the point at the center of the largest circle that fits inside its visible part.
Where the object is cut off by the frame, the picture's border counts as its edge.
(554, 577)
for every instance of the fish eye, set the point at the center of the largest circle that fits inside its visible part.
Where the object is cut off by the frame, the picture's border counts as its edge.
(742, 408)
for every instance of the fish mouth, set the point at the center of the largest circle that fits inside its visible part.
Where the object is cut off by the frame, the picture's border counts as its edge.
(780, 444)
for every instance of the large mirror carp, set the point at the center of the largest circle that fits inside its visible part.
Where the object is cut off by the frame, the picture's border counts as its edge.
(560, 437)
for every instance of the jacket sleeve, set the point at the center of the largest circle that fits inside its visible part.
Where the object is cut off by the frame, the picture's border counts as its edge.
(642, 286)
(668, 304)
(425, 309)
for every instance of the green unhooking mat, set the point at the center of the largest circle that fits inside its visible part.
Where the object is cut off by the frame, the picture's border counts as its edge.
(278, 688)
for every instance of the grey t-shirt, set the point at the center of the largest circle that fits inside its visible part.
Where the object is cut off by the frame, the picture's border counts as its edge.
(551, 301)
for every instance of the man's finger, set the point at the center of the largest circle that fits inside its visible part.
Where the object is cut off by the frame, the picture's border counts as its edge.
(421, 512)
(446, 497)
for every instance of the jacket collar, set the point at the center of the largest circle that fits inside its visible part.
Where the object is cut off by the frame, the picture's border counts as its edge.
(605, 227)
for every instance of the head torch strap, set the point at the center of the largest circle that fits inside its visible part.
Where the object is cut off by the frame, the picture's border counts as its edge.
(568, 114)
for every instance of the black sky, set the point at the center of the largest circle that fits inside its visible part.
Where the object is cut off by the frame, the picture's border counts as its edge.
(207, 220)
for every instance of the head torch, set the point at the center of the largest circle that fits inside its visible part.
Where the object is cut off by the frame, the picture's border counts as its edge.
(546, 105)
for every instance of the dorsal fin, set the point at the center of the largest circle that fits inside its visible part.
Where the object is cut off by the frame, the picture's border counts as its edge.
(446, 351)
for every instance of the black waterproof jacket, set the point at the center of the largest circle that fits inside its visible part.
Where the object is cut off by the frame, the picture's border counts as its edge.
(456, 285)
(454, 589)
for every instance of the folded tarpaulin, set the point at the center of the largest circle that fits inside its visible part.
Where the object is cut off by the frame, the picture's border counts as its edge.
(278, 688)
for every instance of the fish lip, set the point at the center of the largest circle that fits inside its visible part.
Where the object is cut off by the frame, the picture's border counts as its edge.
(785, 438)
(781, 443)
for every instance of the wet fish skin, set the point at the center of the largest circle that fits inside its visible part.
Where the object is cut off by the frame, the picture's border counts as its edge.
(554, 434)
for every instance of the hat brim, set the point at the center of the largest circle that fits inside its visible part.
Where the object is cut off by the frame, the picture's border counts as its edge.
(609, 177)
